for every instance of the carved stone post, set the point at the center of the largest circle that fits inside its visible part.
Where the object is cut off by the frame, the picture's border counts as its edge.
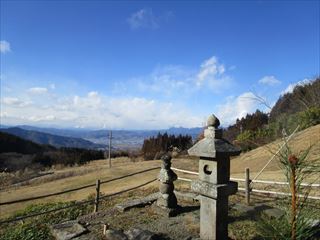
(214, 185)
(167, 199)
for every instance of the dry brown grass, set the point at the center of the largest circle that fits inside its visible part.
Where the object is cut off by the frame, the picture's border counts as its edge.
(68, 178)
(257, 158)
(101, 172)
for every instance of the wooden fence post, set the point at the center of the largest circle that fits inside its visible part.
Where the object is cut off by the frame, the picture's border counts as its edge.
(96, 202)
(247, 186)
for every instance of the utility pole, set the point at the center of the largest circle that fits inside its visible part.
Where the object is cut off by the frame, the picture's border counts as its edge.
(110, 137)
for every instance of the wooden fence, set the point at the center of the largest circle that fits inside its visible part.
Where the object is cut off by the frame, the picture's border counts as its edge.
(98, 195)
(95, 201)
(247, 182)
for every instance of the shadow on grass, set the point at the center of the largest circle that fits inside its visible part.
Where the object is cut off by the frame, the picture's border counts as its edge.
(248, 212)
(187, 209)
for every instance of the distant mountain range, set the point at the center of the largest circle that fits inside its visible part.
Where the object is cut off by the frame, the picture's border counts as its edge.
(92, 139)
(50, 139)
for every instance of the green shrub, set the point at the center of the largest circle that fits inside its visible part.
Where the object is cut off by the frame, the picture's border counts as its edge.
(247, 135)
(295, 223)
(309, 117)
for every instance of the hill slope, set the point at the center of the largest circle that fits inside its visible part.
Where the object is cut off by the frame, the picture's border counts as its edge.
(257, 158)
(12, 143)
(50, 139)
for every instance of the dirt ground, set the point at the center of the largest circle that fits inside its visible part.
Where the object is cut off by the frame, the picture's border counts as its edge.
(242, 219)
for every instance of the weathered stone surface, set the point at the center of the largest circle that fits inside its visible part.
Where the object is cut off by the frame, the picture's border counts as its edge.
(214, 190)
(139, 234)
(186, 196)
(166, 188)
(115, 235)
(167, 176)
(212, 145)
(213, 121)
(137, 202)
(241, 208)
(214, 185)
(67, 230)
(274, 213)
(213, 148)
(166, 161)
(167, 201)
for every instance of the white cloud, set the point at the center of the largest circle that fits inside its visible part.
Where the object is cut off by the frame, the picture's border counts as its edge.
(4, 114)
(180, 80)
(145, 18)
(290, 87)
(37, 90)
(269, 80)
(4, 46)
(92, 94)
(96, 110)
(212, 74)
(13, 101)
(237, 107)
(41, 118)
(168, 80)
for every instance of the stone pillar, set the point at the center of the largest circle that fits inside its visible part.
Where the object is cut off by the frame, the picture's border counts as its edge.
(214, 185)
(167, 199)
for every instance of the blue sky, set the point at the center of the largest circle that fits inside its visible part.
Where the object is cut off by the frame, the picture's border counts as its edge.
(151, 64)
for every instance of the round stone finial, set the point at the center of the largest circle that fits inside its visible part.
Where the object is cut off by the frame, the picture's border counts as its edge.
(166, 158)
(213, 121)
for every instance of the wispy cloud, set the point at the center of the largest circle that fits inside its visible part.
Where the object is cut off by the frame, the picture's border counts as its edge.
(270, 81)
(173, 79)
(15, 102)
(169, 80)
(237, 107)
(40, 118)
(38, 90)
(145, 18)
(213, 74)
(4, 46)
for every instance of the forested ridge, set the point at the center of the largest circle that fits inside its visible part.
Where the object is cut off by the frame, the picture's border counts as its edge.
(14, 149)
(155, 147)
(301, 107)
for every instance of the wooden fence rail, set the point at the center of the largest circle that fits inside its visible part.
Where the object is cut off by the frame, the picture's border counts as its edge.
(253, 181)
(75, 189)
(248, 189)
(95, 201)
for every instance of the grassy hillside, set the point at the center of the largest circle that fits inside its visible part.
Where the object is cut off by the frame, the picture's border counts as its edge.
(257, 158)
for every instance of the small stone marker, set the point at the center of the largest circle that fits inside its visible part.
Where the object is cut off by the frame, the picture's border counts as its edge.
(214, 185)
(67, 230)
(141, 202)
(167, 199)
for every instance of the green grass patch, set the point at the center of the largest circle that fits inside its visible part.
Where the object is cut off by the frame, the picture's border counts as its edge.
(38, 227)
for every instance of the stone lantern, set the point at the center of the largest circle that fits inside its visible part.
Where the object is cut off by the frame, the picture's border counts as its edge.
(214, 185)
